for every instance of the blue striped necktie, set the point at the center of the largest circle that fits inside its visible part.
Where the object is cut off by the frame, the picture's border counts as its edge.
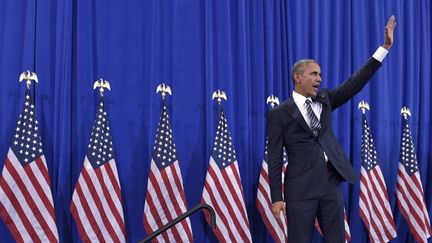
(315, 123)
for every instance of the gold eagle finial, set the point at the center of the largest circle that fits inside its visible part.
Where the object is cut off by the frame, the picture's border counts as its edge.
(273, 101)
(219, 94)
(164, 89)
(405, 111)
(29, 76)
(101, 84)
(363, 105)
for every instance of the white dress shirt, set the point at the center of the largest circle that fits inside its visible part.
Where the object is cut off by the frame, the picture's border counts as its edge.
(300, 101)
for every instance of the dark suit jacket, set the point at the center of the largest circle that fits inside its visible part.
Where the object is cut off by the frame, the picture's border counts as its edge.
(287, 128)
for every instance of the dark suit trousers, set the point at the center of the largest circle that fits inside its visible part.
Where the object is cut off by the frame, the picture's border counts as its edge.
(324, 203)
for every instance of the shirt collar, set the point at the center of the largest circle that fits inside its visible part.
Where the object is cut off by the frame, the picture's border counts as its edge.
(300, 99)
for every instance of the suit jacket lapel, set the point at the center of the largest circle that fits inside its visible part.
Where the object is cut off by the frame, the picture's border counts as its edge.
(294, 111)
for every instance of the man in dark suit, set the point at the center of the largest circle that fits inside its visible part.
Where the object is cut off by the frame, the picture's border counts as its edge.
(316, 162)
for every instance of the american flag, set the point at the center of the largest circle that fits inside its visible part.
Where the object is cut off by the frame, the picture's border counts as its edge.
(223, 189)
(374, 206)
(26, 202)
(409, 191)
(277, 228)
(165, 199)
(347, 228)
(96, 201)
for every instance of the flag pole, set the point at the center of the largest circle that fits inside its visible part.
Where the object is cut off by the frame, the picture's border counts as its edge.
(219, 95)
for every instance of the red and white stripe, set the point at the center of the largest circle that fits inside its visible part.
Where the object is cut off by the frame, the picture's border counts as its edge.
(277, 228)
(347, 228)
(409, 194)
(26, 203)
(165, 201)
(224, 192)
(374, 206)
(97, 205)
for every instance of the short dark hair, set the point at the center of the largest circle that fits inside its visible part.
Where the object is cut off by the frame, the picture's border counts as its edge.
(298, 67)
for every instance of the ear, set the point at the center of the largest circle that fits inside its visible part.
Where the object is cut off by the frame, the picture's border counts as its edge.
(297, 78)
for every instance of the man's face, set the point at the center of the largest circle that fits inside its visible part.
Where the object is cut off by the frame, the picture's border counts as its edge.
(308, 82)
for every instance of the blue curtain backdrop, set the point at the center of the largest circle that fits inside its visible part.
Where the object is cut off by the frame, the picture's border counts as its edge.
(245, 48)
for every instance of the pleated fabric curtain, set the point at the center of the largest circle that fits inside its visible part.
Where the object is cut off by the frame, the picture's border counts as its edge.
(245, 48)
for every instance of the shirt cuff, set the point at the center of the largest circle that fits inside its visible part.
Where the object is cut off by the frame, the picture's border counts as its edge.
(380, 53)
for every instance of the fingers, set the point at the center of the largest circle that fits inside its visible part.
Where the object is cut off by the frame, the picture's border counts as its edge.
(391, 20)
(277, 208)
(276, 212)
(391, 23)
